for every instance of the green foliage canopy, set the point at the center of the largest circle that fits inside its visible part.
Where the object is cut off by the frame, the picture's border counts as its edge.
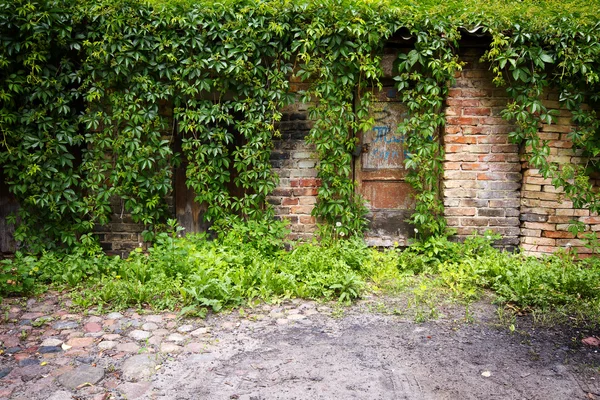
(93, 93)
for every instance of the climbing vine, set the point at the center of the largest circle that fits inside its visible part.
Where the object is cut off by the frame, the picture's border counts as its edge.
(101, 100)
(424, 76)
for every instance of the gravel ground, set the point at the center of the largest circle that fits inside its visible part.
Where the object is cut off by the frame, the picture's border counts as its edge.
(294, 350)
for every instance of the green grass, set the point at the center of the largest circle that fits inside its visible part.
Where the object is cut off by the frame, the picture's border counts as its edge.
(195, 275)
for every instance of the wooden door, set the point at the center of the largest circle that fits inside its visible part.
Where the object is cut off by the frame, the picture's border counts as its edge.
(380, 173)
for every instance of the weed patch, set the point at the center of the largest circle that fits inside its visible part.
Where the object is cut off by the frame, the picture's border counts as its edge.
(196, 275)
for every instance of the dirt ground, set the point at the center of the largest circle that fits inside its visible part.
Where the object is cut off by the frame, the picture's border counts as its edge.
(361, 354)
(295, 350)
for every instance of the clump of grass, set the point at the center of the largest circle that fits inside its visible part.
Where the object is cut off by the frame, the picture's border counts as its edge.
(247, 263)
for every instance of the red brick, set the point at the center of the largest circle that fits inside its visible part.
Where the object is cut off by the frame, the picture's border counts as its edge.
(307, 219)
(289, 201)
(453, 92)
(475, 166)
(460, 139)
(463, 102)
(505, 148)
(477, 111)
(476, 92)
(453, 129)
(493, 139)
(460, 211)
(462, 121)
(305, 192)
(558, 234)
(590, 220)
(452, 165)
(301, 209)
(491, 176)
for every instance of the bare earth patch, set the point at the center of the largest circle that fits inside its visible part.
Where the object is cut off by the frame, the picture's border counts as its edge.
(294, 350)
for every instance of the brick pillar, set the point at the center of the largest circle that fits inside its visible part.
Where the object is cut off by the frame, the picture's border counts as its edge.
(546, 214)
(482, 175)
(294, 161)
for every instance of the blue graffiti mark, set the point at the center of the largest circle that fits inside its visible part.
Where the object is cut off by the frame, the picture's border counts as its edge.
(385, 155)
(381, 135)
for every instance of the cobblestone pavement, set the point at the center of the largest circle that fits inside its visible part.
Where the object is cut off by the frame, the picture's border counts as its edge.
(46, 352)
(294, 350)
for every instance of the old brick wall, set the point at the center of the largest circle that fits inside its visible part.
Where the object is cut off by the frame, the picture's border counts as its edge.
(545, 212)
(482, 178)
(294, 161)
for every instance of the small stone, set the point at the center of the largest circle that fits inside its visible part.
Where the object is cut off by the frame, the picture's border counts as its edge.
(154, 318)
(133, 390)
(229, 326)
(61, 395)
(10, 341)
(75, 335)
(149, 326)
(282, 321)
(133, 322)
(94, 319)
(81, 342)
(111, 336)
(95, 334)
(13, 350)
(85, 360)
(114, 315)
(49, 349)
(175, 337)
(28, 361)
(128, 347)
(92, 327)
(296, 317)
(32, 315)
(138, 367)
(293, 312)
(278, 315)
(4, 372)
(51, 342)
(80, 375)
(30, 372)
(161, 332)
(199, 332)
(155, 340)
(62, 325)
(107, 345)
(139, 335)
(171, 324)
(185, 328)
(170, 348)
(195, 347)
(310, 312)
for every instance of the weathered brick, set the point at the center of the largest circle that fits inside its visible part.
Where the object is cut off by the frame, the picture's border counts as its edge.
(475, 221)
(531, 232)
(558, 234)
(539, 225)
(590, 220)
(491, 212)
(301, 209)
(289, 201)
(540, 241)
(307, 200)
(534, 217)
(460, 211)
(305, 191)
